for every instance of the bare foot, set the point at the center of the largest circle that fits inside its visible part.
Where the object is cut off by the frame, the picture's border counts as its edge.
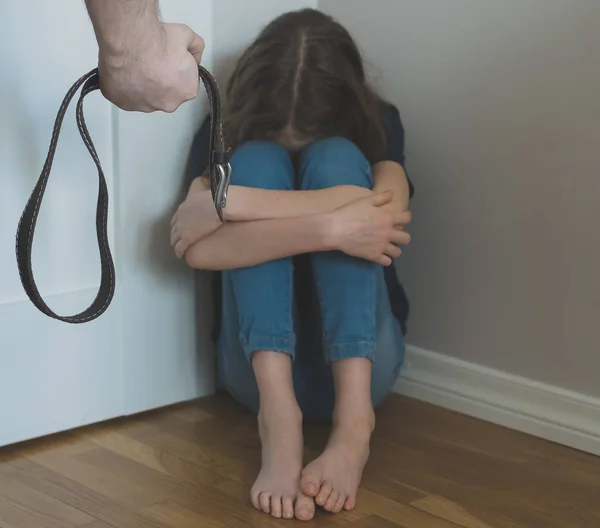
(277, 488)
(333, 478)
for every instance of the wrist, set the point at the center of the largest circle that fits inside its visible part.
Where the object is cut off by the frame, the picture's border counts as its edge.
(327, 231)
(125, 27)
(120, 49)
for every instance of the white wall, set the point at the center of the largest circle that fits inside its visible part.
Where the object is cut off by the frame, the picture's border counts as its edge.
(501, 110)
(75, 371)
(142, 352)
(152, 347)
(165, 359)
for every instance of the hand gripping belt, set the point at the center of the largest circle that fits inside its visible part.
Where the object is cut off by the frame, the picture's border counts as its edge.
(220, 176)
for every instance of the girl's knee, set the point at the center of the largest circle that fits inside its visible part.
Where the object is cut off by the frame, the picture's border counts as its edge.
(334, 161)
(262, 164)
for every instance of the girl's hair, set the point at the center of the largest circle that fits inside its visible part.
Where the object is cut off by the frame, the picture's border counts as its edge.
(303, 77)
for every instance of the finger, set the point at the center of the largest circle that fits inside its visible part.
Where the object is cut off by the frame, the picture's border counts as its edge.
(180, 248)
(393, 251)
(384, 260)
(402, 218)
(381, 198)
(196, 46)
(400, 237)
(175, 237)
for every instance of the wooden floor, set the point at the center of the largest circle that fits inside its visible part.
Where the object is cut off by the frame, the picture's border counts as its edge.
(191, 467)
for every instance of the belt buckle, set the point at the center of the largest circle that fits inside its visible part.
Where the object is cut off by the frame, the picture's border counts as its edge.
(222, 181)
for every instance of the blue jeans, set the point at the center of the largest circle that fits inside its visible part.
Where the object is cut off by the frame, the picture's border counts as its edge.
(317, 308)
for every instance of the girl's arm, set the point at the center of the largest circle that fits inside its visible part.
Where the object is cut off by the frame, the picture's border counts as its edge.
(243, 244)
(361, 229)
(248, 203)
(389, 175)
(196, 218)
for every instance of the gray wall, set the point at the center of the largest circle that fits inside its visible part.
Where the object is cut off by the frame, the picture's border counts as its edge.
(500, 102)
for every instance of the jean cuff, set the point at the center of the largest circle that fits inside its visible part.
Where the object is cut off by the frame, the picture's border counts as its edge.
(350, 350)
(285, 345)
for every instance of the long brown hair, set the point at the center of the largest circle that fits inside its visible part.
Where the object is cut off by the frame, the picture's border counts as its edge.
(304, 76)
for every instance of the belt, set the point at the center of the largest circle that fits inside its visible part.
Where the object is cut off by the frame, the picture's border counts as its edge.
(220, 176)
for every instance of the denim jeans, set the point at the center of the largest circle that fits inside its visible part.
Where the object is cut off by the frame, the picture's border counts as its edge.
(317, 308)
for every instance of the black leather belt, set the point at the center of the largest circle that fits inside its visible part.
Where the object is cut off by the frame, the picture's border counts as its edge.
(220, 176)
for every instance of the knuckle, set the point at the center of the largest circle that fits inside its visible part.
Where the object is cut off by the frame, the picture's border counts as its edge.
(170, 107)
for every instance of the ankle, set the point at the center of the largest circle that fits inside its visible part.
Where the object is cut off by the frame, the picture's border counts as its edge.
(285, 410)
(360, 419)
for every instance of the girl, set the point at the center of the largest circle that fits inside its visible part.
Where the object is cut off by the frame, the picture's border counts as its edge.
(312, 314)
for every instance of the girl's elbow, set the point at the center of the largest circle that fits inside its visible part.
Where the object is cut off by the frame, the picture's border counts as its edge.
(196, 259)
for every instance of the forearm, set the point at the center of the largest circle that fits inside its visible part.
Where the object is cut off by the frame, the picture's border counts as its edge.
(388, 175)
(118, 22)
(247, 203)
(244, 244)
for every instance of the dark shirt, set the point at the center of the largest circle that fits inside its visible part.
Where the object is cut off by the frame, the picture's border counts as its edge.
(394, 151)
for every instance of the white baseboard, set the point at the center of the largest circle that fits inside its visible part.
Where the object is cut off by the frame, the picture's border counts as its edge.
(535, 408)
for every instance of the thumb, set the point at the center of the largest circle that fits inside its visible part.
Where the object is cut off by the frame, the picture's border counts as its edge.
(196, 46)
(382, 198)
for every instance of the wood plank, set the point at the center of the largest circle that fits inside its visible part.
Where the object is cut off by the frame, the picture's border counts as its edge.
(37, 507)
(85, 499)
(193, 465)
(446, 509)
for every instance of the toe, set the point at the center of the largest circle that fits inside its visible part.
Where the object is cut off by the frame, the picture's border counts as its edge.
(305, 508)
(324, 492)
(310, 484)
(288, 506)
(265, 502)
(339, 504)
(350, 503)
(276, 506)
(254, 499)
(331, 501)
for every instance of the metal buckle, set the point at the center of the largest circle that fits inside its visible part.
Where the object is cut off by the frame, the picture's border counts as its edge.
(223, 180)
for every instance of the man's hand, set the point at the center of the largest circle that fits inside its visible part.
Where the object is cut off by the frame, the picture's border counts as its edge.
(158, 71)
(363, 229)
(145, 65)
(195, 218)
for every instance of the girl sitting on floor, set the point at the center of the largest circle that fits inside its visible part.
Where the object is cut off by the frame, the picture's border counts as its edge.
(312, 316)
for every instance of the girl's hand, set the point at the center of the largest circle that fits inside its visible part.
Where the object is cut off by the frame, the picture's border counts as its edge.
(364, 229)
(195, 218)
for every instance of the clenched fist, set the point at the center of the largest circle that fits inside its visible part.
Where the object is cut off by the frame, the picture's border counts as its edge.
(160, 73)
